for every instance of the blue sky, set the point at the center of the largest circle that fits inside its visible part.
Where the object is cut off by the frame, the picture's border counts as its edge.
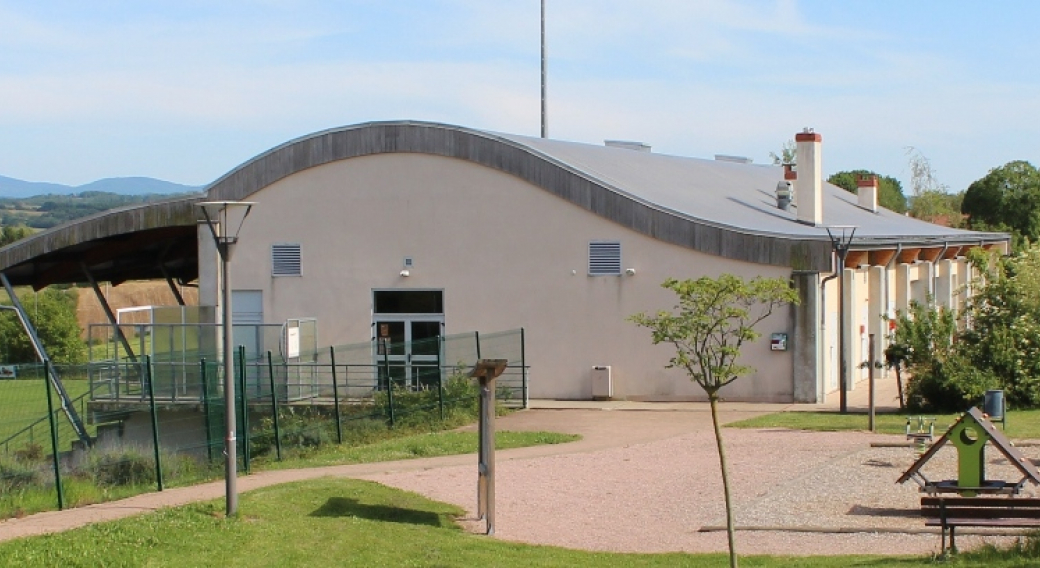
(186, 90)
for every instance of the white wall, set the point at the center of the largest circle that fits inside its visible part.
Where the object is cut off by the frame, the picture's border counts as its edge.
(507, 254)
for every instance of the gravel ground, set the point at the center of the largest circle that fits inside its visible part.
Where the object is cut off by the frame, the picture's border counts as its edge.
(648, 481)
(817, 493)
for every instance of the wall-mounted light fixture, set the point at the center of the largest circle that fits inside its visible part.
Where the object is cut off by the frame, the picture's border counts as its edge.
(630, 271)
(406, 273)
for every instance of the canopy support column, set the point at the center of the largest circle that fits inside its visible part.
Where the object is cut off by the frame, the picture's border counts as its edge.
(108, 312)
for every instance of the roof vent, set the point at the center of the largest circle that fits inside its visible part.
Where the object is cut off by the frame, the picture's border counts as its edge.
(784, 193)
(628, 145)
(734, 159)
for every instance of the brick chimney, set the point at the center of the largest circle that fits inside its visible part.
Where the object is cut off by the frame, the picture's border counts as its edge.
(809, 185)
(867, 189)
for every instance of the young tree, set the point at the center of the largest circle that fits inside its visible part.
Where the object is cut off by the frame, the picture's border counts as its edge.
(931, 200)
(788, 154)
(714, 318)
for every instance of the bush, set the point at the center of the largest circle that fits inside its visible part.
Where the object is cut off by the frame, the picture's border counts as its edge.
(19, 474)
(119, 466)
(300, 428)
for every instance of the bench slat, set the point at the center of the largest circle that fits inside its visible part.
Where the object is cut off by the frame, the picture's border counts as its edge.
(980, 502)
(982, 513)
(1005, 523)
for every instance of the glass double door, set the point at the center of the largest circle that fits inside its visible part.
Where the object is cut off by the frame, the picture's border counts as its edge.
(408, 350)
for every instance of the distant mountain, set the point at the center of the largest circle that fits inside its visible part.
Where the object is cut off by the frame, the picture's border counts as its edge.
(16, 188)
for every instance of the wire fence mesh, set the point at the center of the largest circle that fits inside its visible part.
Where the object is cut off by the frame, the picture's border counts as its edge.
(156, 419)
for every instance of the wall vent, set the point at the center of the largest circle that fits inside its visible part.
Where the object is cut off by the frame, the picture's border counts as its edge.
(605, 258)
(285, 259)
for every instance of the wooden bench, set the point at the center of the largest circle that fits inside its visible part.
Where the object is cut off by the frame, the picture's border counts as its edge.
(996, 512)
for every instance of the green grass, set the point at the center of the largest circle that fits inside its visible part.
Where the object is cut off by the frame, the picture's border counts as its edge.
(343, 522)
(23, 401)
(425, 445)
(1021, 424)
(81, 491)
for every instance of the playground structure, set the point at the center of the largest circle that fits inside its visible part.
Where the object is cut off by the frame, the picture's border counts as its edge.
(970, 436)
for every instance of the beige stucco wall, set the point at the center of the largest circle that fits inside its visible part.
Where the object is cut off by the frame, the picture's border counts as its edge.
(507, 254)
(872, 292)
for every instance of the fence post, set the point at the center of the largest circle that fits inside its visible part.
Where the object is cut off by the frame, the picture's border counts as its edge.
(440, 376)
(389, 381)
(155, 420)
(205, 409)
(523, 369)
(476, 337)
(274, 408)
(54, 436)
(335, 396)
(244, 412)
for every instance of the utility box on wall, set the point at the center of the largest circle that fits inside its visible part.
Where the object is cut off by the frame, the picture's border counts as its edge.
(602, 383)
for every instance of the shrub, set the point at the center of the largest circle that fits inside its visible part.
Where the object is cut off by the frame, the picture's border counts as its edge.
(119, 466)
(19, 474)
(299, 428)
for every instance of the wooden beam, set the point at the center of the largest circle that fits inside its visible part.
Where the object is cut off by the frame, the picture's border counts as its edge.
(881, 257)
(909, 255)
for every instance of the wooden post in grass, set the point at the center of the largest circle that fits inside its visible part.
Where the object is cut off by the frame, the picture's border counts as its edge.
(486, 371)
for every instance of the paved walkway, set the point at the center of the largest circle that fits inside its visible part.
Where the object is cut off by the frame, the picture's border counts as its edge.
(886, 399)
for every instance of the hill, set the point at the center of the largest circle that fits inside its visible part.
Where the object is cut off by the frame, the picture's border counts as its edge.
(19, 189)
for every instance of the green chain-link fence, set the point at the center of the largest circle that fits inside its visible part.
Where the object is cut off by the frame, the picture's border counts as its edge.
(159, 421)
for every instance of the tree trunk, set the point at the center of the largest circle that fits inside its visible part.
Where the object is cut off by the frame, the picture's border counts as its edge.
(714, 400)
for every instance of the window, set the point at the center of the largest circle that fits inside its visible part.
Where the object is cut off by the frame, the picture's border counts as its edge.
(605, 258)
(408, 301)
(285, 260)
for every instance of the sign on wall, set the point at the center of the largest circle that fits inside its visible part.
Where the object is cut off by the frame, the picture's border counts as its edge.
(292, 342)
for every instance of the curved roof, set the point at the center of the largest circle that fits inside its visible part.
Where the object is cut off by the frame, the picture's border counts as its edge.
(721, 208)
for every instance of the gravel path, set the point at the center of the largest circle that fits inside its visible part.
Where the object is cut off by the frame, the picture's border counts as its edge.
(647, 481)
(820, 493)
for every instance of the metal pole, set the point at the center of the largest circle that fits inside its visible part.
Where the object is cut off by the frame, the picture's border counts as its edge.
(389, 382)
(523, 369)
(440, 376)
(244, 404)
(230, 439)
(335, 396)
(54, 437)
(871, 375)
(842, 375)
(274, 408)
(545, 113)
(155, 421)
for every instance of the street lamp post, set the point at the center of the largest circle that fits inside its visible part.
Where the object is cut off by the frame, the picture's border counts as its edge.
(841, 242)
(221, 216)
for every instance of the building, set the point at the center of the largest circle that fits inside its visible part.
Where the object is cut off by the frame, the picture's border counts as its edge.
(410, 230)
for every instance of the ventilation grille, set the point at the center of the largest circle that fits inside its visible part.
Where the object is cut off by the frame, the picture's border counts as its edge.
(285, 260)
(605, 259)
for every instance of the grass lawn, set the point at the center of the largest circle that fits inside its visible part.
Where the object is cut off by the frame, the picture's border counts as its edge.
(83, 491)
(24, 401)
(343, 522)
(424, 445)
(1021, 424)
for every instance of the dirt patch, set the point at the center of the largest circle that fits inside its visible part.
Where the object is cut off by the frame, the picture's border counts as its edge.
(127, 295)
